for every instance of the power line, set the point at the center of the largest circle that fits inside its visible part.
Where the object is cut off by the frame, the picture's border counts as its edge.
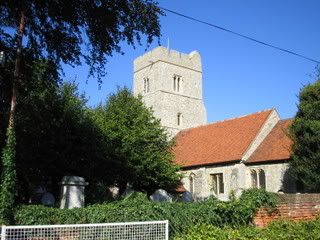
(241, 35)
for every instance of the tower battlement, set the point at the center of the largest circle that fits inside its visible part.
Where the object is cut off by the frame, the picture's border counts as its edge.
(191, 60)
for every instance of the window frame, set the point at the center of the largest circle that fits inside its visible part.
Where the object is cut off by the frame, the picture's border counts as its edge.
(258, 178)
(217, 183)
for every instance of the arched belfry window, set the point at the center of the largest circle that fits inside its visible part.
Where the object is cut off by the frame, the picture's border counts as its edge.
(177, 83)
(146, 85)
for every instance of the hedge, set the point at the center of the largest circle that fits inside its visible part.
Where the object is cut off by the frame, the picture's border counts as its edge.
(280, 230)
(237, 212)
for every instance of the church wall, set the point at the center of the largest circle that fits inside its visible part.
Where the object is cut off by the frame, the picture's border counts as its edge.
(191, 84)
(278, 178)
(237, 177)
(232, 177)
(167, 106)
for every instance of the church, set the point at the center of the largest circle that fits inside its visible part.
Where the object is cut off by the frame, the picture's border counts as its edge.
(220, 158)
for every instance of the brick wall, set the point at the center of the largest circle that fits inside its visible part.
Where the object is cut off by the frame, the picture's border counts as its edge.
(291, 206)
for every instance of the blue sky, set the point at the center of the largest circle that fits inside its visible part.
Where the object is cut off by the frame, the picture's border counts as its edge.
(239, 76)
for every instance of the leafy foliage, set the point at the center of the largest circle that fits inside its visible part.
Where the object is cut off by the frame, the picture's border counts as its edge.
(66, 31)
(8, 179)
(258, 197)
(282, 230)
(182, 216)
(55, 121)
(137, 143)
(306, 135)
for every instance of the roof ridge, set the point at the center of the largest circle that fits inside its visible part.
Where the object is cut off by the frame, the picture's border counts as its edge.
(242, 116)
(227, 119)
(286, 119)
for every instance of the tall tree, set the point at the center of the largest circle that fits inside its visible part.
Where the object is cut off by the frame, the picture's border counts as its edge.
(71, 31)
(138, 144)
(306, 135)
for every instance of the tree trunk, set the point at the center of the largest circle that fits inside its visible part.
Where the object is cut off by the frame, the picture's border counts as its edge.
(17, 69)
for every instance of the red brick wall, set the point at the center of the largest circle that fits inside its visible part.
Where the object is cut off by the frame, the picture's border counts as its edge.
(291, 206)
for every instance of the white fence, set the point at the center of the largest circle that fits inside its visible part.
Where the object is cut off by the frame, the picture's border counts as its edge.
(155, 230)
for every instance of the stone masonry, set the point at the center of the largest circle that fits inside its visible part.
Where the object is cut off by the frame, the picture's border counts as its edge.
(171, 83)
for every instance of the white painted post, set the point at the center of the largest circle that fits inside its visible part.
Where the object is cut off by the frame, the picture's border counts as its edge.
(72, 192)
(167, 229)
(3, 232)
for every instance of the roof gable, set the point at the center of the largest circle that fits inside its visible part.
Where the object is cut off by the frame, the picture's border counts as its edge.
(219, 142)
(276, 146)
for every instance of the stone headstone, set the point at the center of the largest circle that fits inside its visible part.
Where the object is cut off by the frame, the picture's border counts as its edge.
(72, 192)
(161, 195)
(37, 194)
(48, 199)
(187, 197)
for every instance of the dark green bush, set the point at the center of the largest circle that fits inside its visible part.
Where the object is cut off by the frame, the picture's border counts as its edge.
(137, 207)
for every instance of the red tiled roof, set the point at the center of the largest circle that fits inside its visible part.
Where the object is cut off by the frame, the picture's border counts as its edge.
(219, 142)
(276, 146)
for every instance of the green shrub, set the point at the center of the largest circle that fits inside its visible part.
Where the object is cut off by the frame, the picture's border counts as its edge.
(279, 230)
(209, 232)
(182, 216)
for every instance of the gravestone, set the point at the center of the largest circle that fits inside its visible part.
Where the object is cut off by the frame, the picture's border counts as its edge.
(187, 197)
(37, 194)
(48, 199)
(161, 195)
(72, 192)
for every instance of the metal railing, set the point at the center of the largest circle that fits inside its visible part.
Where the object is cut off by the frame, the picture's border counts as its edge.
(154, 230)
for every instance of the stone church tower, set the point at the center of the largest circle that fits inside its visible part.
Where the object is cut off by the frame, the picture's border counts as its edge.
(171, 83)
